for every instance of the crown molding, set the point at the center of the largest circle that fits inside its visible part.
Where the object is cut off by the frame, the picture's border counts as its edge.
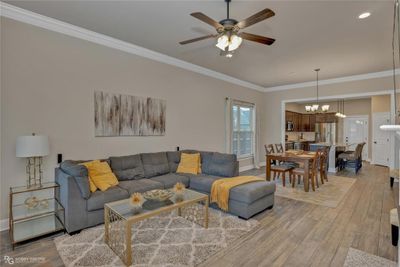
(29, 17)
(26, 16)
(352, 78)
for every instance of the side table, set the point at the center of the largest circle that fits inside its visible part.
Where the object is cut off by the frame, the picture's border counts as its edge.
(34, 211)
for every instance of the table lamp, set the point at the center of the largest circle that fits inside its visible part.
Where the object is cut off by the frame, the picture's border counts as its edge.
(33, 147)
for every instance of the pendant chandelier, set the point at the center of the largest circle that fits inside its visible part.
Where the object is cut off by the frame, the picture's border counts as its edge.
(315, 107)
(340, 109)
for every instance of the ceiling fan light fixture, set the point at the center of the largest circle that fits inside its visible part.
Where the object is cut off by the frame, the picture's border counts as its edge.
(234, 42)
(364, 15)
(308, 108)
(222, 42)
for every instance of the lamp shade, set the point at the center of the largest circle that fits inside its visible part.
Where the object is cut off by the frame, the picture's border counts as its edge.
(32, 146)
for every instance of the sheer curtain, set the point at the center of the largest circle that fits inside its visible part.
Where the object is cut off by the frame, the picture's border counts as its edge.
(229, 103)
(256, 156)
(228, 125)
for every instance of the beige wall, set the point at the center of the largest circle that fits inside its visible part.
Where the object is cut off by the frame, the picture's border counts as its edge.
(380, 103)
(47, 86)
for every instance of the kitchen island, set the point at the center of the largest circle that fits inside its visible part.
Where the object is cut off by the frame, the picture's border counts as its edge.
(334, 151)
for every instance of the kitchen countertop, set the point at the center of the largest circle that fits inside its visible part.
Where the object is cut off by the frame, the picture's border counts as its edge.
(328, 144)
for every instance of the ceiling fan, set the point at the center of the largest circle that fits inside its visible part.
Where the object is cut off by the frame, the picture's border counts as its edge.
(229, 38)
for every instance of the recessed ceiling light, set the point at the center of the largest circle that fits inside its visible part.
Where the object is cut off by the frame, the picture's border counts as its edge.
(364, 15)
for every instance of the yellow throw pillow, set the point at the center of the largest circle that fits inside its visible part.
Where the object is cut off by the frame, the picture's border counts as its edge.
(88, 164)
(190, 163)
(101, 175)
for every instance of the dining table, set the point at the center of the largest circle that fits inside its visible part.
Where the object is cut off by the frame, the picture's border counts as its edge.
(298, 156)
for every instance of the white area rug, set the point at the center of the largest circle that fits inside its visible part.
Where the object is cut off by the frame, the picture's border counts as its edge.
(168, 240)
(358, 258)
(328, 194)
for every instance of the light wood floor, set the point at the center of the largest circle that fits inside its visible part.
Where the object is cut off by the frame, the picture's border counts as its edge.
(296, 233)
(293, 233)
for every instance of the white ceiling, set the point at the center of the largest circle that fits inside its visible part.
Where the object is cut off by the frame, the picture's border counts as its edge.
(309, 34)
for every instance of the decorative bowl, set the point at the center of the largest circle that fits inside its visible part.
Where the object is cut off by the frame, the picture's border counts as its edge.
(158, 195)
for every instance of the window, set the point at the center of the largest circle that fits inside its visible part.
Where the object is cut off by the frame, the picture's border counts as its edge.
(242, 130)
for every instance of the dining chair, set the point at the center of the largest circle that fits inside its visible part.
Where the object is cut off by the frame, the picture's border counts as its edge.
(278, 169)
(279, 148)
(282, 169)
(269, 149)
(300, 172)
(352, 159)
(323, 164)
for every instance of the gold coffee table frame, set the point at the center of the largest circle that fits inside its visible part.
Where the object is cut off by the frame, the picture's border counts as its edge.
(118, 219)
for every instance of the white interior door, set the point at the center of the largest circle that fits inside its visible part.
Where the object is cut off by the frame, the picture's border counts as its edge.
(355, 131)
(381, 139)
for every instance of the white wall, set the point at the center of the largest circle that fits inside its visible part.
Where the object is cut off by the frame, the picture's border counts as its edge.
(47, 86)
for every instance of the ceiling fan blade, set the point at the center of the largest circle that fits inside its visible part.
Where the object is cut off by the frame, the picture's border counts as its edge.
(257, 38)
(260, 16)
(207, 19)
(197, 39)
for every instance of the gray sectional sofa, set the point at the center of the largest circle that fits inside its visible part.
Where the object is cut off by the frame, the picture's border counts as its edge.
(147, 171)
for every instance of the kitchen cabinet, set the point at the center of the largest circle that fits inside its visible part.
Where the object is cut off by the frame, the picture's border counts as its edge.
(294, 118)
(301, 122)
(297, 121)
(312, 123)
(305, 122)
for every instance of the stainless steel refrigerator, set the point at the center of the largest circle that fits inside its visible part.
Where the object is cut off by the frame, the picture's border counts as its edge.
(326, 133)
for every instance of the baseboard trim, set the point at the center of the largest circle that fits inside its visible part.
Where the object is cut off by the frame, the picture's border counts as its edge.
(246, 168)
(4, 224)
(332, 170)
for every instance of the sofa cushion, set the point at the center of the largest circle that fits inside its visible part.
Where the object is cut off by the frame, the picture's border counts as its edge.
(174, 157)
(155, 164)
(202, 182)
(127, 167)
(140, 186)
(80, 174)
(250, 192)
(99, 198)
(219, 164)
(170, 179)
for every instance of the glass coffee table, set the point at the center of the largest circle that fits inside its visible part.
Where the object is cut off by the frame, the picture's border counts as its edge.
(119, 218)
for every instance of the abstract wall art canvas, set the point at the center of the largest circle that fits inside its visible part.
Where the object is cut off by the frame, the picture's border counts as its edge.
(125, 115)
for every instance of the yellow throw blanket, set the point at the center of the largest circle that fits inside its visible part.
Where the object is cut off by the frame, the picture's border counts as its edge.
(220, 189)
